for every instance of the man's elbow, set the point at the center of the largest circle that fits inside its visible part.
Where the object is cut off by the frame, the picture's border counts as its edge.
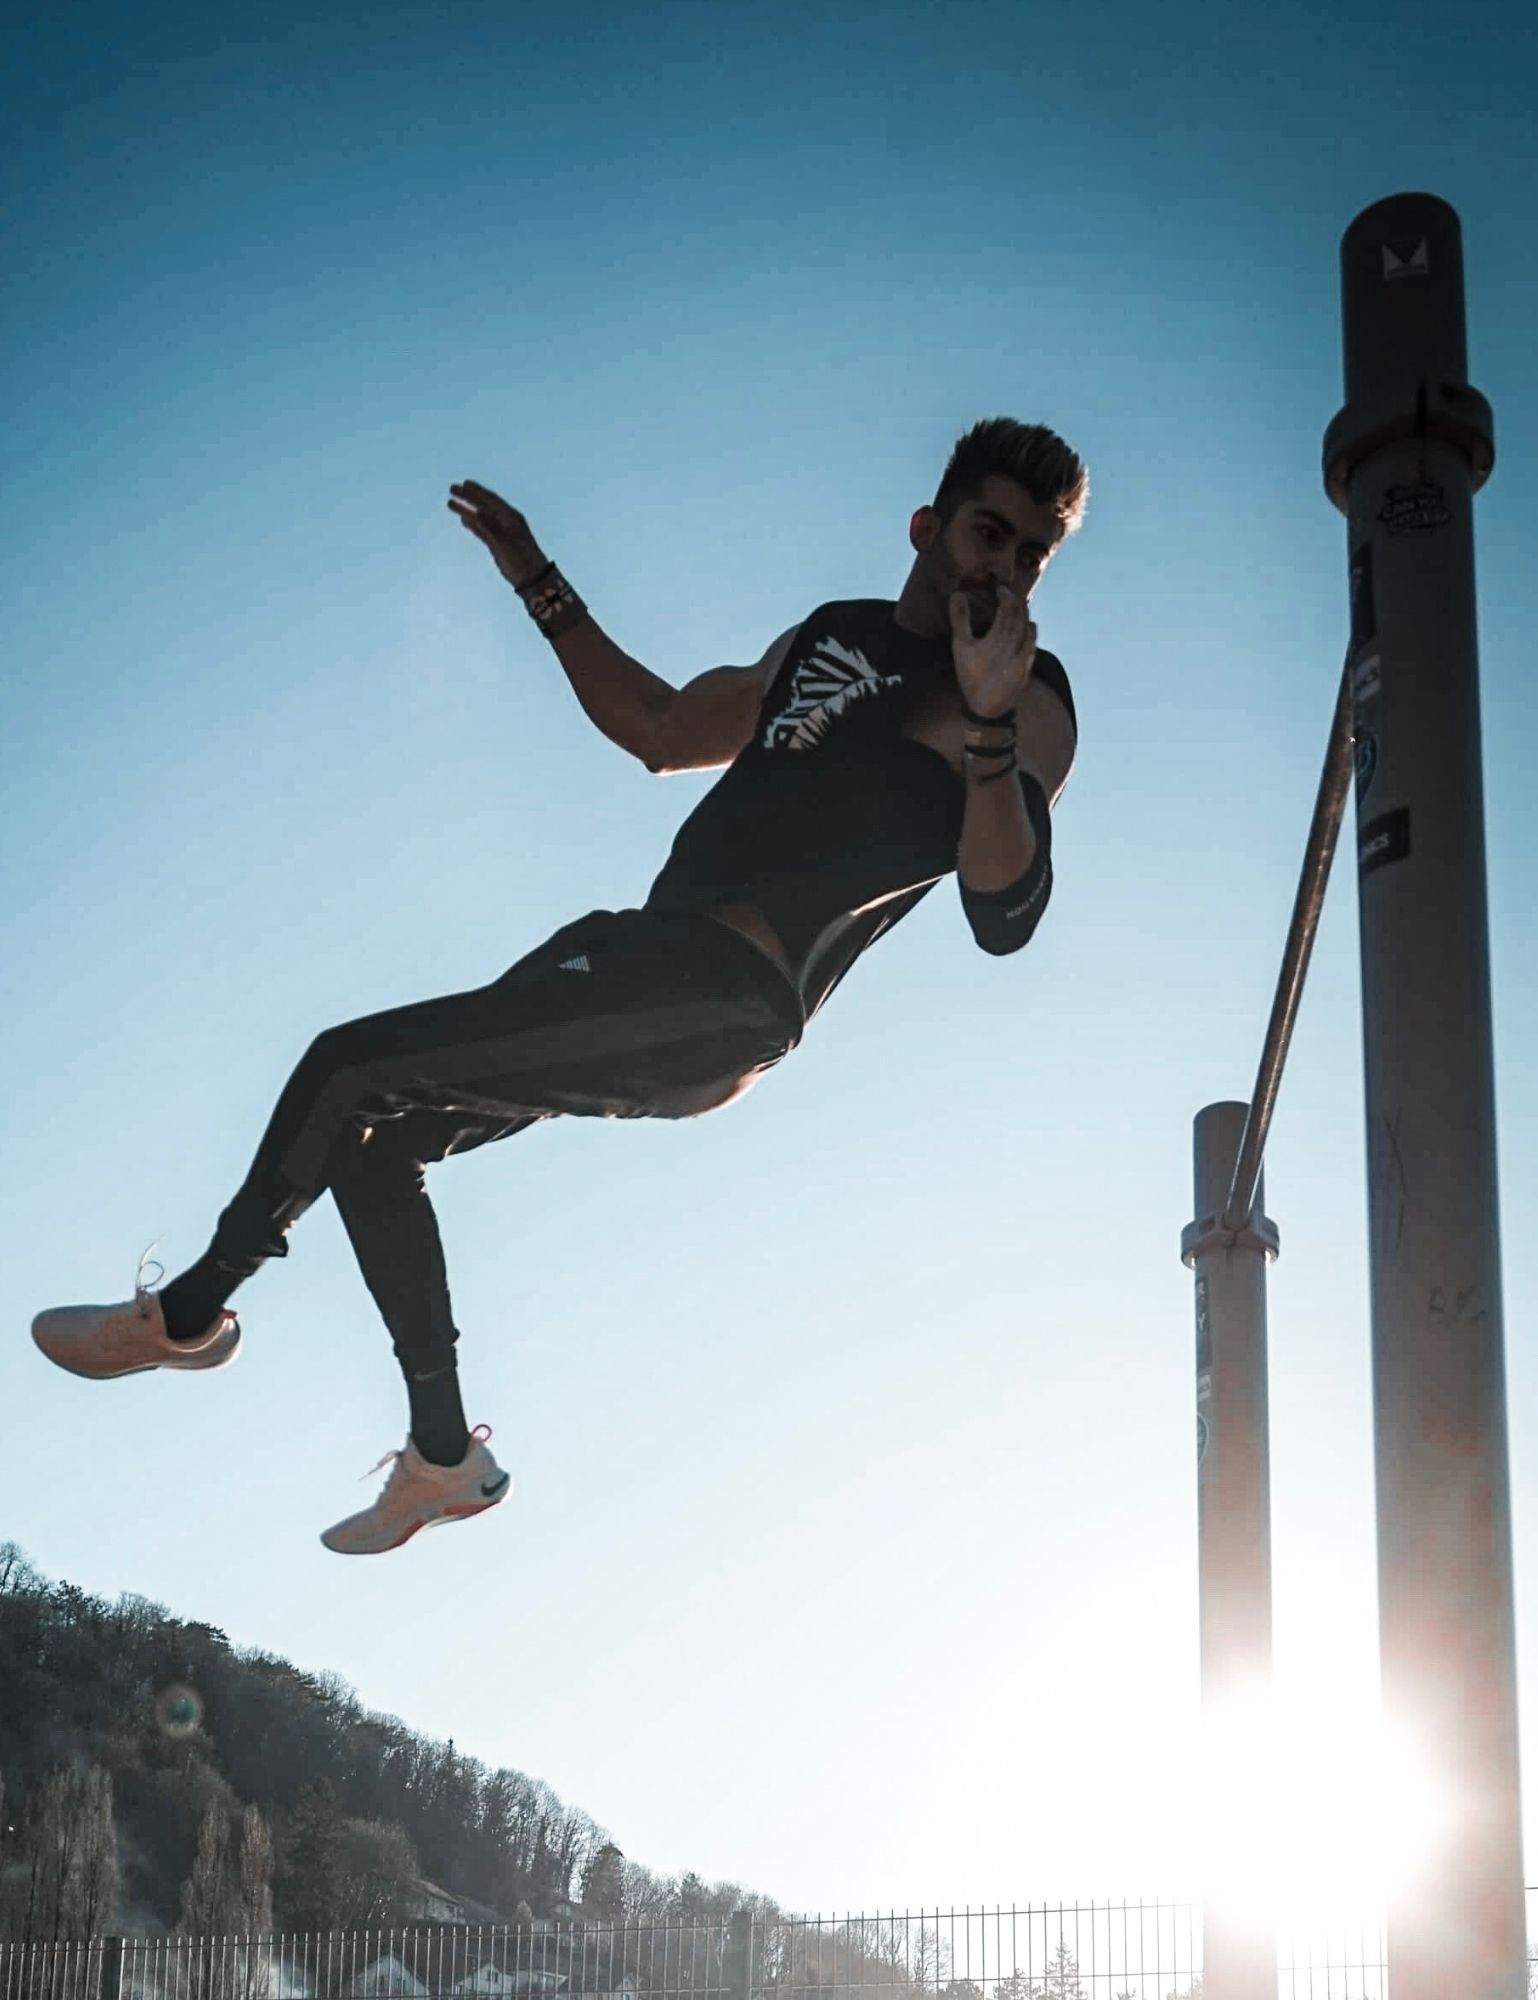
(1001, 944)
(666, 764)
(657, 748)
(669, 750)
(1005, 922)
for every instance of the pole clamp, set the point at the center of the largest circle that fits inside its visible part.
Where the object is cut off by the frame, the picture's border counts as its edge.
(1450, 412)
(1206, 1234)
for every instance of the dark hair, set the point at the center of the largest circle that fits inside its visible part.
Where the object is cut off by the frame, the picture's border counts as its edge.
(1030, 454)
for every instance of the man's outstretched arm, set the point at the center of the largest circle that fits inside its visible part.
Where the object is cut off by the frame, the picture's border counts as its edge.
(693, 728)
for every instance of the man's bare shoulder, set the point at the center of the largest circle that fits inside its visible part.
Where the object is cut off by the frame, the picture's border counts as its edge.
(711, 718)
(775, 658)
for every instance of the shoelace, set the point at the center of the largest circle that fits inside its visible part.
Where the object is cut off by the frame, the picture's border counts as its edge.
(478, 1436)
(141, 1289)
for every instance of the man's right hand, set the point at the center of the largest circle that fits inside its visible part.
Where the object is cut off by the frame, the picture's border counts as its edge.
(502, 528)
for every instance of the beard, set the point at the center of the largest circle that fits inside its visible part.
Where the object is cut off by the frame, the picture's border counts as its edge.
(982, 604)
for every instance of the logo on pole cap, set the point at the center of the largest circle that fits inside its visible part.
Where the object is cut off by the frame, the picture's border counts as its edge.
(1405, 263)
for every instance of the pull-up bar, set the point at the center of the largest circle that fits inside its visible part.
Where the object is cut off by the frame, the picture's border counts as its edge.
(1313, 879)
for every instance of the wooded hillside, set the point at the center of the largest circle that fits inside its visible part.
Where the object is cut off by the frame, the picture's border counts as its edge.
(153, 1774)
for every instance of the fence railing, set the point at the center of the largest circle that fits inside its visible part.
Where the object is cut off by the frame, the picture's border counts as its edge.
(1080, 1951)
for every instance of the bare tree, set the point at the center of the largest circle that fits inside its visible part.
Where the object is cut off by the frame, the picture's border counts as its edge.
(929, 1957)
(378, 1866)
(253, 1902)
(254, 1875)
(227, 1904)
(645, 1897)
(70, 1841)
(208, 1908)
(209, 1896)
(17, 1576)
(96, 1881)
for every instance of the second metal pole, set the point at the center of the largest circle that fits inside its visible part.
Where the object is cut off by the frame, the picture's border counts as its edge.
(1233, 1460)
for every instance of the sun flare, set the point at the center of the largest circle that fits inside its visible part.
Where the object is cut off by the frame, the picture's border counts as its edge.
(1317, 1811)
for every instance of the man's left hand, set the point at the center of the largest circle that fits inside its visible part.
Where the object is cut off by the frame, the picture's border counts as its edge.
(992, 672)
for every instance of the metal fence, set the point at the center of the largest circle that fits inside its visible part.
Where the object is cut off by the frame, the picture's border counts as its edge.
(1094, 1951)
(1083, 1951)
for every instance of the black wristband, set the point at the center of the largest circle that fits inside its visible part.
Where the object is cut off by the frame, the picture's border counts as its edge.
(988, 721)
(524, 588)
(552, 603)
(988, 750)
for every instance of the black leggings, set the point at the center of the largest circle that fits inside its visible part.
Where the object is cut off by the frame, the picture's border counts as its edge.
(623, 1014)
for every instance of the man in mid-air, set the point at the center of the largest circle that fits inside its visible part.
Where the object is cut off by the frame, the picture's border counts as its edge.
(877, 746)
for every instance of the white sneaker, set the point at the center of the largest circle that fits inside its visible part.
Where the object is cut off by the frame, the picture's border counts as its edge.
(100, 1342)
(418, 1494)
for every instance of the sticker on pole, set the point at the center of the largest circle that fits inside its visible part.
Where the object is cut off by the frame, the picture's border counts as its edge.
(1366, 760)
(1415, 510)
(1382, 840)
(1405, 262)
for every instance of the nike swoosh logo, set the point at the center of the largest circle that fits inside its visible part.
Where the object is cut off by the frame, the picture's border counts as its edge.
(497, 1486)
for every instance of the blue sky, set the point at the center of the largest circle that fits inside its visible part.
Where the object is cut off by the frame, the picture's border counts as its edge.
(854, 1553)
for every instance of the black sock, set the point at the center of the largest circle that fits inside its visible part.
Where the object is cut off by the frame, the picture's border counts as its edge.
(438, 1428)
(191, 1301)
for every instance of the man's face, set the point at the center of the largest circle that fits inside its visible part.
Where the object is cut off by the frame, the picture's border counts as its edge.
(1001, 536)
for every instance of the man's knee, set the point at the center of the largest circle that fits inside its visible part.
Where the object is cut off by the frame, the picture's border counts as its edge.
(334, 1054)
(421, 1359)
(375, 1158)
(693, 1100)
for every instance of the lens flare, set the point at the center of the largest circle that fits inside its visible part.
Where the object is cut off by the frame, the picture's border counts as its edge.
(178, 1710)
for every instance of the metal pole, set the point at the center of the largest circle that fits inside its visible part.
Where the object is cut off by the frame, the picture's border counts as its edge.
(1403, 460)
(737, 1956)
(1307, 907)
(1233, 1470)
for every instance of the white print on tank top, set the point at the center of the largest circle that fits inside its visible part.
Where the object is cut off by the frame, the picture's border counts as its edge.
(822, 686)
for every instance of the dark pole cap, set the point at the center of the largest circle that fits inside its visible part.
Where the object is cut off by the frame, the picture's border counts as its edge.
(1404, 339)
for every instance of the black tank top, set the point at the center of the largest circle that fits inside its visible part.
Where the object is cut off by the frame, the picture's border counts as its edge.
(831, 821)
